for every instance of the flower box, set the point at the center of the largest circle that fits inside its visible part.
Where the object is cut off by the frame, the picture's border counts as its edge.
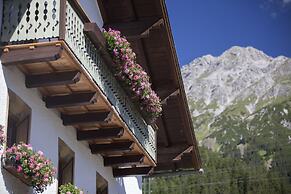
(31, 167)
(10, 166)
(132, 76)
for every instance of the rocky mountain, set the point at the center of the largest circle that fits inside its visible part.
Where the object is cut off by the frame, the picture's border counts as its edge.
(241, 111)
(241, 102)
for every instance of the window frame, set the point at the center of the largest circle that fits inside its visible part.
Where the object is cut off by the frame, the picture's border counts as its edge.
(72, 160)
(12, 132)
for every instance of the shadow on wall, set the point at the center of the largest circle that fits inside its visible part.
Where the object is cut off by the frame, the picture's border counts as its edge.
(9, 183)
(121, 184)
(12, 185)
(139, 181)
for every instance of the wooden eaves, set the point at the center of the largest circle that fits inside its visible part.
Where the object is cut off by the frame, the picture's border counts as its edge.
(146, 25)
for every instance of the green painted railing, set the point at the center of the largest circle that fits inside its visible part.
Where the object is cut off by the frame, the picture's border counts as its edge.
(41, 20)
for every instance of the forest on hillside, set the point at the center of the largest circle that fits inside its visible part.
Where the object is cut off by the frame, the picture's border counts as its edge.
(226, 175)
(252, 157)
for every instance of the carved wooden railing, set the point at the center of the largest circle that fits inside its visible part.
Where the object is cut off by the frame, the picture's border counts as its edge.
(27, 21)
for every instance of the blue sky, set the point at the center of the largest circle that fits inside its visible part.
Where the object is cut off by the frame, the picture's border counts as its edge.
(203, 27)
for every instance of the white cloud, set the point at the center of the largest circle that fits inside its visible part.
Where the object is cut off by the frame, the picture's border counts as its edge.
(286, 1)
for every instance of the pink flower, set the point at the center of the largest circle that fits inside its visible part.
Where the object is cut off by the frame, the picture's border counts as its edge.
(19, 168)
(40, 153)
(17, 158)
(132, 74)
(135, 77)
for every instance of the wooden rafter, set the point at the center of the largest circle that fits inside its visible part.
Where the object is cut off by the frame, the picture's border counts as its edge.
(85, 118)
(52, 79)
(176, 148)
(104, 133)
(123, 160)
(93, 31)
(79, 99)
(31, 55)
(123, 172)
(175, 93)
(112, 147)
(136, 29)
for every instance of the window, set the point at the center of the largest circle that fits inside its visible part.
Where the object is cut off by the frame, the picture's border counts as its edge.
(66, 164)
(101, 184)
(19, 116)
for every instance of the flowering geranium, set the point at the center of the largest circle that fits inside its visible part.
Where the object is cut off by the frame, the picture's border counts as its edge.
(69, 189)
(132, 74)
(34, 165)
(2, 136)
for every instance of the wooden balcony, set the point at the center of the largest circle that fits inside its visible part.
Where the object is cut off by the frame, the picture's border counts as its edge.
(48, 42)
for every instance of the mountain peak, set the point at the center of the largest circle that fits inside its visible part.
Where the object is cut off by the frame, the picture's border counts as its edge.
(233, 54)
(236, 73)
(246, 52)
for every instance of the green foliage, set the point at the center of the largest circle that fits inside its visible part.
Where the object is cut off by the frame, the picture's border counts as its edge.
(253, 156)
(223, 175)
(69, 189)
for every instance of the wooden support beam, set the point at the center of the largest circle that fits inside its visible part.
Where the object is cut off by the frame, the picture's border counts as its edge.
(123, 160)
(137, 29)
(52, 79)
(163, 158)
(79, 99)
(173, 94)
(123, 172)
(165, 167)
(186, 152)
(176, 149)
(31, 55)
(95, 34)
(165, 88)
(104, 133)
(175, 156)
(85, 118)
(115, 147)
(185, 162)
(97, 38)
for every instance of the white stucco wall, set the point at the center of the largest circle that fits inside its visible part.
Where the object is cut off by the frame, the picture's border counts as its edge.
(46, 128)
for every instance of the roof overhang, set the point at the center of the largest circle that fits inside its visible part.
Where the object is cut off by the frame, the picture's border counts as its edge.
(146, 25)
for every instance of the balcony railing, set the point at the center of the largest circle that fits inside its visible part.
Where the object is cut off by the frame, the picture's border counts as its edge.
(26, 21)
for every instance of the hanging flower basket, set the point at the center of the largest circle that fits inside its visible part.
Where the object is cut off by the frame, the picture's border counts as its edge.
(31, 167)
(11, 167)
(134, 79)
(69, 189)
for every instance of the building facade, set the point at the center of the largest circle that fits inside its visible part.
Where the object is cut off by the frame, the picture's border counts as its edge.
(58, 93)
